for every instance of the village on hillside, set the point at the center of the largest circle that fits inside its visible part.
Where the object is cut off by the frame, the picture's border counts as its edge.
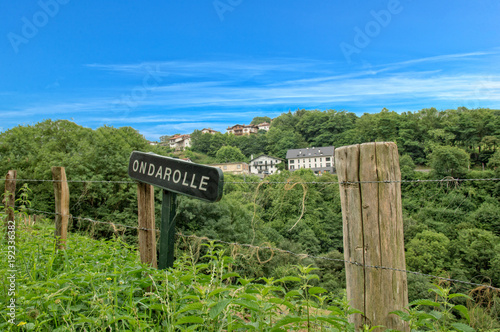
(319, 159)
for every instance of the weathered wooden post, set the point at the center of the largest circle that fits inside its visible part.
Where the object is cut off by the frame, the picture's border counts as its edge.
(167, 235)
(373, 232)
(9, 200)
(147, 231)
(61, 193)
(174, 176)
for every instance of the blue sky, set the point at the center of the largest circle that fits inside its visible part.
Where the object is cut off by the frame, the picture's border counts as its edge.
(166, 67)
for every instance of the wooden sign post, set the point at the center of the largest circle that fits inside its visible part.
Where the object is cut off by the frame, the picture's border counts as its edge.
(174, 176)
(9, 200)
(61, 192)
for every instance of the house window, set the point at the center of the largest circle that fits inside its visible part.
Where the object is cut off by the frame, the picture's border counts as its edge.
(309, 165)
(291, 166)
(327, 158)
(292, 161)
(328, 165)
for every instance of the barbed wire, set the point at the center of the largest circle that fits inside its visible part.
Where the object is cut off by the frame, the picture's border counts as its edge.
(70, 181)
(86, 219)
(444, 180)
(340, 261)
(447, 179)
(284, 251)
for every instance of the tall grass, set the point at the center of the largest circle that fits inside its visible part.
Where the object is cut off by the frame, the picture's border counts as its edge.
(100, 285)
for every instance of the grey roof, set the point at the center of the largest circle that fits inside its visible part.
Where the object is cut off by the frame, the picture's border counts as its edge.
(310, 152)
(265, 155)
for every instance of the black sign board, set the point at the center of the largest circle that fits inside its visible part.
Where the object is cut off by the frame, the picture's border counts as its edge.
(179, 176)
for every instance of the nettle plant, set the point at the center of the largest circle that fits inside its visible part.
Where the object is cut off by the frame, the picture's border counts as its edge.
(207, 296)
(442, 316)
(100, 285)
(22, 204)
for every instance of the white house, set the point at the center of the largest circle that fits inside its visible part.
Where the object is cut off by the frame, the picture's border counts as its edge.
(180, 142)
(263, 165)
(264, 126)
(320, 159)
(239, 168)
(240, 130)
(209, 131)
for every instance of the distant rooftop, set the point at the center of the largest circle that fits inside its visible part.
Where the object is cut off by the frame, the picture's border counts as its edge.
(310, 152)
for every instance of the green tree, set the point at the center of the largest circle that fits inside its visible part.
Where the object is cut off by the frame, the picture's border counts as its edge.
(217, 141)
(407, 166)
(427, 252)
(494, 161)
(487, 217)
(201, 142)
(260, 119)
(280, 141)
(229, 154)
(474, 251)
(449, 161)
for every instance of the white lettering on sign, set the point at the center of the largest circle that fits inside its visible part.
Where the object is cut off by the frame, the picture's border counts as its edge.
(179, 176)
(203, 183)
(158, 174)
(168, 171)
(192, 181)
(184, 183)
(183, 178)
(151, 170)
(143, 167)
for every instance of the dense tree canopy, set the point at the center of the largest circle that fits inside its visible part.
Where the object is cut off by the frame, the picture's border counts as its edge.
(417, 134)
(227, 154)
(451, 229)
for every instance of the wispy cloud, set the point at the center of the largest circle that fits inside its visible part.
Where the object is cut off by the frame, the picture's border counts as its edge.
(217, 93)
(221, 68)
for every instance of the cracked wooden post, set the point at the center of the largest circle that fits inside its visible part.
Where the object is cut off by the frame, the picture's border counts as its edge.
(61, 192)
(373, 232)
(146, 215)
(9, 201)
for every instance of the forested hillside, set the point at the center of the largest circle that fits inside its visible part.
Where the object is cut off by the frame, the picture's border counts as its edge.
(417, 134)
(452, 229)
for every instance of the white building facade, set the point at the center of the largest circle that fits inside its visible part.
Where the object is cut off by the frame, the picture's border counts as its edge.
(320, 160)
(209, 131)
(240, 130)
(264, 165)
(264, 126)
(180, 142)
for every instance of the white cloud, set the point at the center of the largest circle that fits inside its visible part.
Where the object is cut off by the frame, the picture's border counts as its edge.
(219, 92)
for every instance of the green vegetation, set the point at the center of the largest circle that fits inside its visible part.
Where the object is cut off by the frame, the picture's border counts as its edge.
(417, 134)
(452, 229)
(227, 154)
(100, 285)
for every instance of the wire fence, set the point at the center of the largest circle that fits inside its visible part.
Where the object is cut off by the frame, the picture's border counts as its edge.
(444, 180)
(274, 250)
